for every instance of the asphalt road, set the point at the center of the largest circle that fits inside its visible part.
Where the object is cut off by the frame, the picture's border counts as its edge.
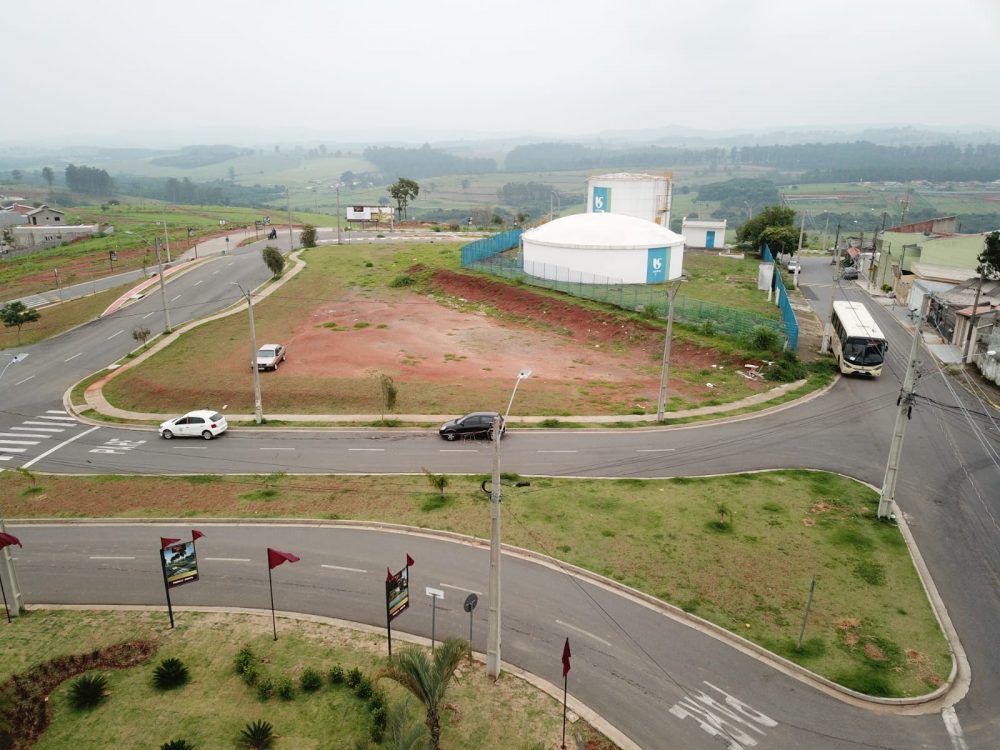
(628, 670)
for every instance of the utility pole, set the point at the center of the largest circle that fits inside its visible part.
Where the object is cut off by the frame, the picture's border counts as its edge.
(827, 329)
(258, 411)
(661, 403)
(291, 242)
(493, 636)
(798, 253)
(974, 320)
(905, 405)
(163, 290)
(338, 213)
(166, 235)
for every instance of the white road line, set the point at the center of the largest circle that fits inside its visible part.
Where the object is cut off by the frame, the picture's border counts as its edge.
(228, 559)
(73, 357)
(459, 588)
(55, 411)
(176, 298)
(198, 282)
(115, 334)
(193, 447)
(555, 451)
(230, 263)
(457, 450)
(5, 458)
(372, 450)
(23, 434)
(954, 728)
(340, 567)
(12, 450)
(147, 315)
(111, 558)
(25, 380)
(18, 442)
(42, 426)
(276, 449)
(654, 450)
(582, 632)
(214, 272)
(50, 451)
(55, 420)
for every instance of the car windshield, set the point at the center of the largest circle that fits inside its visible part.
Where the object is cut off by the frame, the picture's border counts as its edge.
(864, 351)
(265, 352)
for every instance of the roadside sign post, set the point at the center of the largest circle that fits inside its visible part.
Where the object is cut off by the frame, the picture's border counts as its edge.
(397, 596)
(434, 594)
(469, 605)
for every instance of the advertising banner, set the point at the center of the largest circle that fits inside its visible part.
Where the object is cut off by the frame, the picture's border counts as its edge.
(656, 264)
(180, 563)
(601, 203)
(397, 593)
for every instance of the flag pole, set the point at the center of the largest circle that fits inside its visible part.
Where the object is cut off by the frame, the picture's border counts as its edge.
(388, 618)
(270, 587)
(6, 607)
(565, 684)
(166, 588)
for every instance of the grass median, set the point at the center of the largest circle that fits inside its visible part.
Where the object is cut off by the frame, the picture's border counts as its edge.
(739, 551)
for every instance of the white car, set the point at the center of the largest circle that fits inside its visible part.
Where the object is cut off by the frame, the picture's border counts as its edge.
(793, 266)
(201, 423)
(269, 355)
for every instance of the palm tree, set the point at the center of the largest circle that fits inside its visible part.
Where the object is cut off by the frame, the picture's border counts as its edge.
(403, 734)
(427, 681)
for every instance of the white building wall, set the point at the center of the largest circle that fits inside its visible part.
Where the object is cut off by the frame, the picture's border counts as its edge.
(696, 233)
(642, 196)
(595, 265)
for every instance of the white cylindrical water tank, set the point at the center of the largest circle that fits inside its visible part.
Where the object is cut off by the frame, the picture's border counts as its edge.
(638, 194)
(603, 248)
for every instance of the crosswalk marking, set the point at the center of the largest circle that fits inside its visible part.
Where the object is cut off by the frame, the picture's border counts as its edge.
(5, 449)
(55, 411)
(18, 442)
(37, 429)
(46, 426)
(22, 435)
(56, 420)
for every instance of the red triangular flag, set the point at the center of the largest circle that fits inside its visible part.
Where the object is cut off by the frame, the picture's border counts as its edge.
(565, 658)
(8, 539)
(409, 561)
(166, 541)
(196, 535)
(388, 574)
(276, 557)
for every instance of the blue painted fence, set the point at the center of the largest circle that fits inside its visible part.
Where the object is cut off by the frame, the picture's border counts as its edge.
(787, 313)
(487, 247)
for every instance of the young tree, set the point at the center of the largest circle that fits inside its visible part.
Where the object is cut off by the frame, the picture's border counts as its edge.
(48, 175)
(989, 259)
(273, 259)
(388, 392)
(428, 682)
(403, 191)
(749, 233)
(308, 236)
(141, 335)
(16, 314)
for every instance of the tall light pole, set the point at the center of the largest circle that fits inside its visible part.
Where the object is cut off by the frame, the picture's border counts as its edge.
(258, 411)
(163, 290)
(661, 403)
(493, 636)
(825, 346)
(166, 235)
(338, 213)
(288, 197)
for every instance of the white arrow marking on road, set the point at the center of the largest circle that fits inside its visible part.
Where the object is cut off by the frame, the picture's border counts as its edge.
(582, 632)
(340, 567)
(228, 559)
(25, 380)
(115, 334)
(459, 588)
(50, 451)
(111, 558)
(73, 357)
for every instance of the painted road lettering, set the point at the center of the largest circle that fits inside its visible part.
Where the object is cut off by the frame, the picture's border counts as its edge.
(118, 446)
(728, 718)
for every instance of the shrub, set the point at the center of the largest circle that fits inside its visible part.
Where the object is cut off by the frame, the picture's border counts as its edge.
(88, 691)
(273, 259)
(258, 735)
(364, 689)
(763, 338)
(354, 678)
(177, 745)
(244, 660)
(170, 673)
(786, 369)
(308, 236)
(377, 701)
(265, 689)
(336, 675)
(285, 688)
(310, 681)
(251, 676)
(708, 328)
(401, 281)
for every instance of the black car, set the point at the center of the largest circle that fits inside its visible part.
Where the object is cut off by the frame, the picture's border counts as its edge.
(475, 425)
(850, 272)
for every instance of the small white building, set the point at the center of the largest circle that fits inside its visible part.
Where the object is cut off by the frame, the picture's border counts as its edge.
(638, 194)
(43, 216)
(704, 233)
(601, 248)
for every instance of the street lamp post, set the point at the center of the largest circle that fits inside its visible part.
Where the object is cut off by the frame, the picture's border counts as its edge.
(493, 636)
(661, 403)
(163, 290)
(338, 213)
(258, 411)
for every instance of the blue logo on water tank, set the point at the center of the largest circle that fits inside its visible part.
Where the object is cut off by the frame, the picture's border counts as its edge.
(601, 203)
(657, 263)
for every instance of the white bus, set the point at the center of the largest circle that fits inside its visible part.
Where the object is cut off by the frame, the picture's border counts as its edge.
(858, 343)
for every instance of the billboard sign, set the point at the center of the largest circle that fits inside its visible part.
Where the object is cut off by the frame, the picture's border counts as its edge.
(601, 202)
(180, 563)
(657, 264)
(397, 593)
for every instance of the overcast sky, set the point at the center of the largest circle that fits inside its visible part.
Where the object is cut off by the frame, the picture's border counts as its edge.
(562, 67)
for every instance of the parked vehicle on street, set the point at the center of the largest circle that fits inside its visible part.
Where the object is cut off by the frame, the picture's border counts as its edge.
(269, 355)
(850, 272)
(203, 423)
(478, 424)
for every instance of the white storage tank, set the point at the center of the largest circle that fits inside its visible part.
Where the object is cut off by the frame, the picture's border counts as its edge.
(639, 194)
(706, 233)
(602, 248)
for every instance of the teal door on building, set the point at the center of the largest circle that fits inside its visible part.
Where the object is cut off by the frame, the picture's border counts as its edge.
(710, 238)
